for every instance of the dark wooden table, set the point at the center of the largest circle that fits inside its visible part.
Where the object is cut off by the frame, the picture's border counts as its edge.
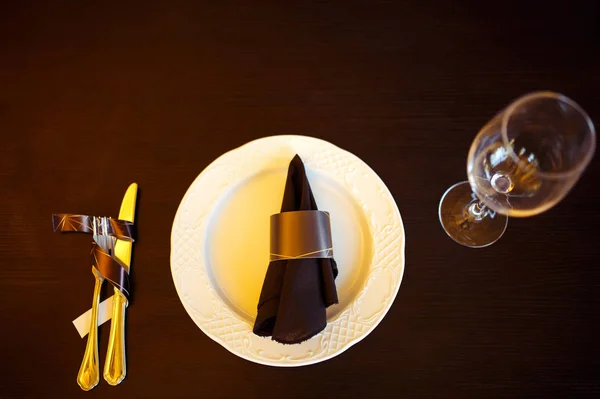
(94, 97)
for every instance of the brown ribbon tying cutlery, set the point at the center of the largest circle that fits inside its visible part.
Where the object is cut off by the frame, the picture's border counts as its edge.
(301, 234)
(108, 266)
(66, 222)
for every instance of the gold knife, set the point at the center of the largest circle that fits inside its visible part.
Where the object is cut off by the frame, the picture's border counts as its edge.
(115, 368)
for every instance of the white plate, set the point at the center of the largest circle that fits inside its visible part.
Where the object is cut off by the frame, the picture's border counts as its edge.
(220, 245)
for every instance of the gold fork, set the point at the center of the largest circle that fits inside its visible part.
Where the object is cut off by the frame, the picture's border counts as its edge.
(89, 372)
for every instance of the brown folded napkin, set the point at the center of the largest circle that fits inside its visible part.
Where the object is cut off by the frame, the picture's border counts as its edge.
(296, 292)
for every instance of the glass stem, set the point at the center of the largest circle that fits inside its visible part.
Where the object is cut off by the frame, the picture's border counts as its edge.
(477, 210)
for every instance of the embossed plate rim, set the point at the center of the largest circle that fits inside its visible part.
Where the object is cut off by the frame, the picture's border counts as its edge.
(234, 333)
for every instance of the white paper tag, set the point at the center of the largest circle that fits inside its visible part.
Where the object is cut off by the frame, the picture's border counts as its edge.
(82, 323)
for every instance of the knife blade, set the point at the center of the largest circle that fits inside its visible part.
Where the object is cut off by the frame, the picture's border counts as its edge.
(115, 368)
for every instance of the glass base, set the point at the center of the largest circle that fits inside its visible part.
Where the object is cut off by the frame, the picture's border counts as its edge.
(465, 222)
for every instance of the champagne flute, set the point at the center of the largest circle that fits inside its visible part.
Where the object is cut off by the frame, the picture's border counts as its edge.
(523, 162)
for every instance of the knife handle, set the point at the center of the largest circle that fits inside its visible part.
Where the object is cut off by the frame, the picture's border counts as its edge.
(89, 372)
(115, 368)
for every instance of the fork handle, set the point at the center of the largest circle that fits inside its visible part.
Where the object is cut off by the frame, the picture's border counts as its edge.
(89, 372)
(115, 368)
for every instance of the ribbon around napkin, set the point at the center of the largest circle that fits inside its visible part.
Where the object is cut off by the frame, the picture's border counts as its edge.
(297, 288)
(301, 234)
(111, 268)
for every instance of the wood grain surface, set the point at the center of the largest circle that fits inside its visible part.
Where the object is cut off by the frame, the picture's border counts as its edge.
(93, 97)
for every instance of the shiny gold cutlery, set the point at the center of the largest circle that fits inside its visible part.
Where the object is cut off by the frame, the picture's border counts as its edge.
(115, 368)
(89, 371)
